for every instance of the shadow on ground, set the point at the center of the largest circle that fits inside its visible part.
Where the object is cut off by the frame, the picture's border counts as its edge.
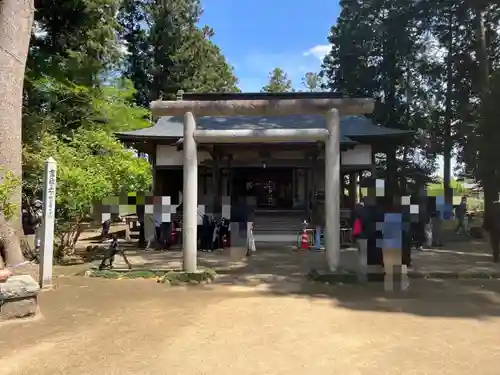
(429, 298)
(281, 271)
(455, 298)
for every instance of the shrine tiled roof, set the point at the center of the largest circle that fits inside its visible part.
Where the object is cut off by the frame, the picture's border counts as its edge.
(351, 127)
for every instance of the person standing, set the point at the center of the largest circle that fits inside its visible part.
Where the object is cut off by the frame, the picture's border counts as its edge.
(105, 226)
(318, 220)
(150, 231)
(393, 230)
(460, 213)
(242, 214)
(141, 218)
(407, 241)
(420, 226)
(437, 222)
(32, 216)
(428, 209)
(491, 224)
(437, 231)
(424, 218)
(38, 218)
(28, 219)
(158, 218)
(358, 211)
(360, 225)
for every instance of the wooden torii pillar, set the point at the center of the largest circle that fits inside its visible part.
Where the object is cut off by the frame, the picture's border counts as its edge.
(333, 108)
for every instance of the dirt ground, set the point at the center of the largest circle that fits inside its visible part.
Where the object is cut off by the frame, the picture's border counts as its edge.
(106, 327)
(96, 326)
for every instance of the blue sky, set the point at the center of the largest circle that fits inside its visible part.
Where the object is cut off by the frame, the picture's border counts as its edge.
(257, 36)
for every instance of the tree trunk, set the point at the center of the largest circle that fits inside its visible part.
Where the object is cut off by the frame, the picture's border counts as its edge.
(16, 19)
(481, 51)
(448, 144)
(487, 150)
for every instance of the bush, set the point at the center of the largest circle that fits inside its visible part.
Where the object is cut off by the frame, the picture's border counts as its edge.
(8, 185)
(91, 165)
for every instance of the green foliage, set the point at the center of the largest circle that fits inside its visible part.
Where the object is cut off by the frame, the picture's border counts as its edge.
(107, 110)
(8, 185)
(115, 109)
(278, 82)
(77, 40)
(172, 53)
(437, 189)
(313, 82)
(93, 67)
(92, 165)
(388, 50)
(138, 274)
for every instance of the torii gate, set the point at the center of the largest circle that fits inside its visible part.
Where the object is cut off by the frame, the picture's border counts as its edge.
(333, 108)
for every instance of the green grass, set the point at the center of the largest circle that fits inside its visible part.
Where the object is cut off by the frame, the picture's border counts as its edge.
(204, 275)
(139, 274)
(180, 277)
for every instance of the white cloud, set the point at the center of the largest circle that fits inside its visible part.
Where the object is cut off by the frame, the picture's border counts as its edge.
(319, 51)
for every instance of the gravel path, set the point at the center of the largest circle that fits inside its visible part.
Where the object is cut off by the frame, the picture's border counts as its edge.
(96, 326)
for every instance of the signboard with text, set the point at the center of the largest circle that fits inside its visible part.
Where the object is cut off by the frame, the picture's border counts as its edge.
(49, 207)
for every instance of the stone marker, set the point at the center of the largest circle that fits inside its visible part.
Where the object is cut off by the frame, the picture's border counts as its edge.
(18, 298)
(49, 207)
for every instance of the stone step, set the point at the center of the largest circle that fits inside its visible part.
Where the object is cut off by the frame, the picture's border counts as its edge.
(284, 221)
(284, 238)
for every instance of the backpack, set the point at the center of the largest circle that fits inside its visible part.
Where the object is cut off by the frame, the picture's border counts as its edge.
(357, 228)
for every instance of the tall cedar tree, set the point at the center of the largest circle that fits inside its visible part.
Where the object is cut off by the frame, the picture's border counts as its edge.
(378, 48)
(278, 82)
(168, 52)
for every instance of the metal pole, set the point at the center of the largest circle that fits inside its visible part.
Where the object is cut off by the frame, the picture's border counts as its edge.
(332, 190)
(190, 195)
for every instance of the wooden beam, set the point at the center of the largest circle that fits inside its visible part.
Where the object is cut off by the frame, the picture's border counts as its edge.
(269, 107)
(264, 136)
(257, 163)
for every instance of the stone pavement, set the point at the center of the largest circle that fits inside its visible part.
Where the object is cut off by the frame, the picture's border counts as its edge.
(96, 326)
